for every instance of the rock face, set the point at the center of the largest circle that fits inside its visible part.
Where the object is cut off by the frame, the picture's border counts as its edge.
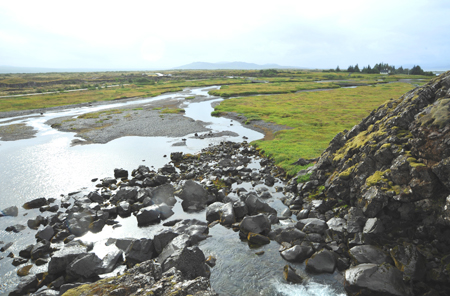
(384, 187)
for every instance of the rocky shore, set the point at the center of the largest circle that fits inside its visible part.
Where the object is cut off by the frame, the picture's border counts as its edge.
(374, 207)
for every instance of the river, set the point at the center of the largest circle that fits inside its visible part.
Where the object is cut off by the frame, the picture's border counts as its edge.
(48, 166)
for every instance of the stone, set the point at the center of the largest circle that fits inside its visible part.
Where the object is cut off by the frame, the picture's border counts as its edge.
(26, 253)
(124, 243)
(97, 226)
(62, 258)
(94, 196)
(320, 262)
(139, 251)
(148, 215)
(6, 247)
(257, 224)
(375, 200)
(189, 260)
(373, 226)
(24, 271)
(297, 253)
(291, 275)
(257, 239)
(45, 234)
(36, 222)
(312, 225)
(164, 194)
(213, 211)
(27, 284)
(18, 261)
(289, 235)
(194, 196)
(161, 239)
(337, 224)
(409, 260)
(369, 254)
(240, 209)
(227, 216)
(40, 249)
(124, 209)
(10, 211)
(35, 203)
(15, 228)
(373, 279)
(120, 173)
(84, 266)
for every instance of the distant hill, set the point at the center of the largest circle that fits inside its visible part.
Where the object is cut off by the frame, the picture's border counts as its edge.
(229, 66)
(11, 69)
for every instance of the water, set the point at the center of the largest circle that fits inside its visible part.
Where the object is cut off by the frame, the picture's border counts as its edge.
(48, 166)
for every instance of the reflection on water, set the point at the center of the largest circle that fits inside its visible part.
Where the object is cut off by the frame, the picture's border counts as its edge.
(47, 166)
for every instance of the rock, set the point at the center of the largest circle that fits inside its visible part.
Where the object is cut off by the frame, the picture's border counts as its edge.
(94, 196)
(139, 251)
(124, 209)
(35, 223)
(110, 261)
(289, 235)
(10, 211)
(18, 261)
(164, 194)
(257, 224)
(213, 211)
(257, 239)
(6, 247)
(337, 224)
(240, 209)
(255, 206)
(312, 225)
(35, 203)
(97, 226)
(27, 284)
(40, 249)
(26, 253)
(375, 200)
(355, 220)
(297, 253)
(373, 279)
(62, 258)
(211, 261)
(320, 262)
(194, 196)
(127, 193)
(24, 271)
(227, 216)
(189, 260)
(65, 287)
(161, 239)
(45, 234)
(124, 243)
(85, 266)
(409, 260)
(148, 215)
(120, 173)
(303, 214)
(15, 228)
(195, 229)
(369, 254)
(373, 226)
(291, 276)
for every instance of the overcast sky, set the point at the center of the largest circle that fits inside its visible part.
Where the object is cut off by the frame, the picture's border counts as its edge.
(164, 34)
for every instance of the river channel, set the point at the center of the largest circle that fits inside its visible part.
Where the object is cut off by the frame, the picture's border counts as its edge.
(49, 166)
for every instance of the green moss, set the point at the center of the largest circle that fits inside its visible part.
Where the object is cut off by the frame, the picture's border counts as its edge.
(377, 177)
(304, 178)
(357, 142)
(439, 114)
(413, 162)
(345, 175)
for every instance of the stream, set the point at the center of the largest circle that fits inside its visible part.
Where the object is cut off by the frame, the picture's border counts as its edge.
(48, 166)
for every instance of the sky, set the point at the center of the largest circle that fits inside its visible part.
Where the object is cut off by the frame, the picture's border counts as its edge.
(165, 34)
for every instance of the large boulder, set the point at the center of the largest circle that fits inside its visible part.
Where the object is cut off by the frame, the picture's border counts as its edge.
(139, 251)
(148, 215)
(337, 224)
(322, 261)
(256, 224)
(110, 261)
(61, 259)
(194, 196)
(409, 260)
(374, 279)
(290, 235)
(297, 253)
(312, 225)
(291, 275)
(189, 260)
(163, 194)
(84, 266)
(374, 201)
(369, 254)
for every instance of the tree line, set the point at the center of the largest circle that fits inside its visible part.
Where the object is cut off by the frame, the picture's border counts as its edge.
(416, 70)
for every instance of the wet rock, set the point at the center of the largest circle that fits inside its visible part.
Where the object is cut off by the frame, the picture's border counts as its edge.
(375, 200)
(255, 205)
(45, 234)
(97, 226)
(94, 196)
(213, 211)
(40, 249)
(10, 211)
(61, 259)
(35, 203)
(124, 209)
(297, 253)
(195, 229)
(291, 275)
(167, 169)
(311, 225)
(189, 260)
(337, 224)
(373, 279)
(369, 254)
(227, 216)
(124, 243)
(110, 261)
(161, 239)
(120, 173)
(257, 224)
(373, 226)
(139, 251)
(257, 239)
(84, 266)
(148, 215)
(194, 196)
(6, 247)
(15, 228)
(409, 260)
(303, 214)
(18, 261)
(320, 262)
(26, 253)
(27, 284)
(289, 234)
(163, 194)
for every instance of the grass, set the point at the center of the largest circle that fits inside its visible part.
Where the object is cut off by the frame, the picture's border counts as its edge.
(315, 117)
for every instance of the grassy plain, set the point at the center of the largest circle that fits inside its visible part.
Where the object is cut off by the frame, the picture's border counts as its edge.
(315, 117)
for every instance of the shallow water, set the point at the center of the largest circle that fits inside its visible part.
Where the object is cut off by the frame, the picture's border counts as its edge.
(48, 166)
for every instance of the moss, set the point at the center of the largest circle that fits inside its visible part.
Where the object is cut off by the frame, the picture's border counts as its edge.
(413, 162)
(304, 178)
(386, 146)
(377, 177)
(439, 114)
(345, 175)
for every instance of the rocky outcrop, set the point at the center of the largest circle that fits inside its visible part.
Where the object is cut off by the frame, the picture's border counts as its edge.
(383, 190)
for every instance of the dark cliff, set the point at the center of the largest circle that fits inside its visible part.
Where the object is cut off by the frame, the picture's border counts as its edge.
(393, 171)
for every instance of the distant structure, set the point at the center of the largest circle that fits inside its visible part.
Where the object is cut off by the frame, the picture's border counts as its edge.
(385, 72)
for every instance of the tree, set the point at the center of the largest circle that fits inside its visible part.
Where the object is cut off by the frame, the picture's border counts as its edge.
(337, 69)
(356, 69)
(350, 69)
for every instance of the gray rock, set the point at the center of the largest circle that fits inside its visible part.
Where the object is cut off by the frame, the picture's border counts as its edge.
(26, 285)
(94, 196)
(373, 226)
(189, 260)
(61, 259)
(227, 216)
(161, 239)
(164, 194)
(373, 279)
(64, 288)
(255, 205)
(165, 211)
(297, 253)
(35, 203)
(124, 243)
(355, 220)
(256, 224)
(128, 193)
(195, 229)
(312, 225)
(36, 222)
(139, 251)
(124, 209)
(194, 196)
(176, 244)
(291, 276)
(39, 250)
(369, 254)
(213, 211)
(240, 209)
(337, 224)
(110, 261)
(120, 173)
(289, 235)
(322, 261)
(45, 234)
(408, 259)
(84, 266)
(97, 226)
(303, 214)
(15, 228)
(374, 201)
(148, 215)
(10, 211)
